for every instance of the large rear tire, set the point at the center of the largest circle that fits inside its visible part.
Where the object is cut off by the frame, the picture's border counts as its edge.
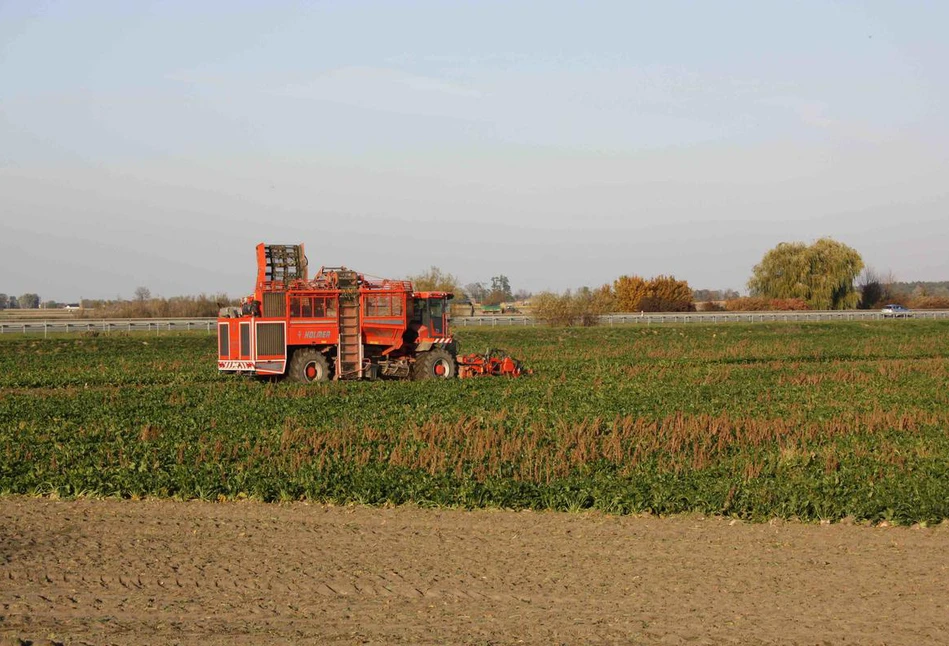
(308, 365)
(434, 364)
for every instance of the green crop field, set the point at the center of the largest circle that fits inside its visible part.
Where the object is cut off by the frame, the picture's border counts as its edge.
(813, 421)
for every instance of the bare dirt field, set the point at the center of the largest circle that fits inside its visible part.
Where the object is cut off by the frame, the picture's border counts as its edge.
(161, 572)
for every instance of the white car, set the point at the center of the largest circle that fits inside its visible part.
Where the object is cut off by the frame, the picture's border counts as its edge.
(895, 310)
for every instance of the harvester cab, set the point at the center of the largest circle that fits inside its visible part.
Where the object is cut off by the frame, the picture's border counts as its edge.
(429, 319)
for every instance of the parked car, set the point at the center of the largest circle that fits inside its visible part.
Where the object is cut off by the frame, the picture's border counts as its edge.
(895, 310)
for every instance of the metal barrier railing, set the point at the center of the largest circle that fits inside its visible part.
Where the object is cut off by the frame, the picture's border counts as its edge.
(47, 327)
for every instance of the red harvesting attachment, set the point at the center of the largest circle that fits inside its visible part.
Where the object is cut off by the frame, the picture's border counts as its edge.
(493, 362)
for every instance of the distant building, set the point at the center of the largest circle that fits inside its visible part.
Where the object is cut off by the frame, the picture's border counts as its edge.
(72, 306)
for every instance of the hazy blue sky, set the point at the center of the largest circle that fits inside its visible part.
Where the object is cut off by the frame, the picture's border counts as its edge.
(561, 144)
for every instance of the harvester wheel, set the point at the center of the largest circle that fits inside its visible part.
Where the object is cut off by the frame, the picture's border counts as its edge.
(434, 364)
(308, 365)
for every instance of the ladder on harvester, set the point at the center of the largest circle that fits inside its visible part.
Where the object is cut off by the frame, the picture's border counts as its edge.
(349, 353)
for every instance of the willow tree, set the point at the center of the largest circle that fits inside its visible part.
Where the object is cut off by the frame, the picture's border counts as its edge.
(822, 274)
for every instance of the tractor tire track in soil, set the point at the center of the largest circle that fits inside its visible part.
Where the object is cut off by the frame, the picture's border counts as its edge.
(146, 572)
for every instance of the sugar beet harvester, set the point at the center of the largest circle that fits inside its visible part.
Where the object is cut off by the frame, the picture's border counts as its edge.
(341, 325)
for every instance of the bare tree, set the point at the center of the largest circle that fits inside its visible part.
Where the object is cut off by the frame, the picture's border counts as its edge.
(29, 301)
(871, 288)
(476, 291)
(436, 280)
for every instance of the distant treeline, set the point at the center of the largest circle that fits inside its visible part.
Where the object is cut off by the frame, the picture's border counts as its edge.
(921, 288)
(201, 306)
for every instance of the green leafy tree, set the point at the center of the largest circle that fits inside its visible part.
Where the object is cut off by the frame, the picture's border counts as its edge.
(502, 285)
(822, 274)
(500, 291)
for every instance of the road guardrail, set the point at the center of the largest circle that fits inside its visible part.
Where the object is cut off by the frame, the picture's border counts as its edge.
(60, 326)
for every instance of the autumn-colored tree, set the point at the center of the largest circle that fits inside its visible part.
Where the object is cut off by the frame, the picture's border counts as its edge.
(666, 294)
(822, 274)
(629, 292)
(930, 303)
(659, 294)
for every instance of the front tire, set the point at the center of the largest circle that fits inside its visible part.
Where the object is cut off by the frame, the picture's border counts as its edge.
(434, 364)
(308, 365)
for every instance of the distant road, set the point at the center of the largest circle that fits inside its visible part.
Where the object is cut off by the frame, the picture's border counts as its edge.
(59, 326)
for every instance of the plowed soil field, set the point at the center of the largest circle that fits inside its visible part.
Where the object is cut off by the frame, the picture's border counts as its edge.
(163, 572)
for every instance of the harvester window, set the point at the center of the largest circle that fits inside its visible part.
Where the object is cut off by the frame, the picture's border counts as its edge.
(313, 307)
(324, 307)
(378, 305)
(383, 305)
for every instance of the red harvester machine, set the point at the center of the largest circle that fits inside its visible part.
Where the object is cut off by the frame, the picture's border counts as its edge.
(341, 325)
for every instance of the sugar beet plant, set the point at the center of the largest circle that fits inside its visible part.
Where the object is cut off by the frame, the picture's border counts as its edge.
(815, 421)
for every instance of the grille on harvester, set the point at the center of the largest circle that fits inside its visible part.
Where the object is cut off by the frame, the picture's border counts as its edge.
(245, 339)
(275, 304)
(223, 341)
(285, 262)
(270, 341)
